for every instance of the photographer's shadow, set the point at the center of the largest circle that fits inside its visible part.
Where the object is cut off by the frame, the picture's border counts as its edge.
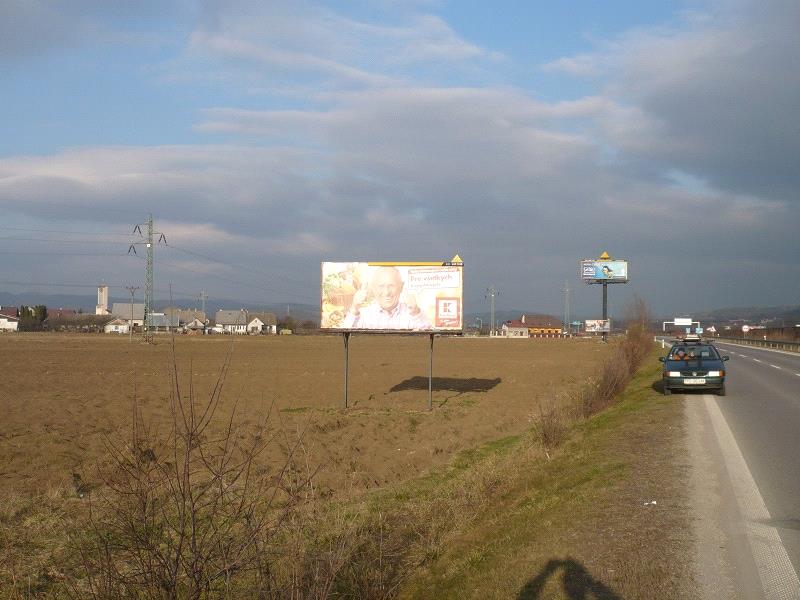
(578, 584)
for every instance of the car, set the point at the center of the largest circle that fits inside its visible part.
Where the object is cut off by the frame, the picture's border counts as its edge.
(693, 364)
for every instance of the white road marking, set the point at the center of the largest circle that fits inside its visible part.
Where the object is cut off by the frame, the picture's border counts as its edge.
(743, 355)
(759, 348)
(778, 577)
(755, 359)
(775, 366)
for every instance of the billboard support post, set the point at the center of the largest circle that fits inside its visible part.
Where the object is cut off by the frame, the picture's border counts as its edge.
(605, 308)
(430, 376)
(346, 363)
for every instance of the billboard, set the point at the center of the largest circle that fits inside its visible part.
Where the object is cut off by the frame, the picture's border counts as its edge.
(595, 270)
(682, 321)
(392, 296)
(597, 326)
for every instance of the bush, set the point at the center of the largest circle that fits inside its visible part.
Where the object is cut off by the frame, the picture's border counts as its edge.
(188, 515)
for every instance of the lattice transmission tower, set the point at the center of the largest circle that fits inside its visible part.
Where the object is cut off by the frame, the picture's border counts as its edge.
(147, 241)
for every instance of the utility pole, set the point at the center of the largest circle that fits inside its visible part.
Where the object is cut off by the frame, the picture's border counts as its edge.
(492, 293)
(566, 308)
(132, 290)
(147, 240)
(203, 297)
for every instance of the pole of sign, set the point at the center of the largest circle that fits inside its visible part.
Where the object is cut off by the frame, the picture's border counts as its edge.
(346, 363)
(605, 308)
(430, 376)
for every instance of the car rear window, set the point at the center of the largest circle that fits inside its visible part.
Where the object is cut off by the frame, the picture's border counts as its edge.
(693, 351)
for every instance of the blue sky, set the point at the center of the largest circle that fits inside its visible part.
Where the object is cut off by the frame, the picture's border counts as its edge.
(270, 136)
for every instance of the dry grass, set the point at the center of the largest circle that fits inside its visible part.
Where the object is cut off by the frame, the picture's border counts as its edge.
(179, 516)
(582, 524)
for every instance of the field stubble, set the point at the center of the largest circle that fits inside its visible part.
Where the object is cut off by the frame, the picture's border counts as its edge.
(66, 394)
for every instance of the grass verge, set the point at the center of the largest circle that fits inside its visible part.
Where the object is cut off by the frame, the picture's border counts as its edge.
(604, 517)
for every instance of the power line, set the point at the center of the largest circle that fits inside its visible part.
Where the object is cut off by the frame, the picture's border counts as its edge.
(61, 231)
(235, 266)
(52, 241)
(21, 253)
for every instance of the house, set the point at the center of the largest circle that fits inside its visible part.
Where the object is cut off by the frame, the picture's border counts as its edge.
(195, 327)
(9, 323)
(515, 329)
(232, 321)
(162, 322)
(117, 325)
(61, 313)
(262, 323)
(9, 311)
(124, 310)
(542, 324)
(189, 314)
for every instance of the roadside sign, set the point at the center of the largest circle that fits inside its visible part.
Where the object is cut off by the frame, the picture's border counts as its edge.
(698, 330)
(688, 330)
(683, 322)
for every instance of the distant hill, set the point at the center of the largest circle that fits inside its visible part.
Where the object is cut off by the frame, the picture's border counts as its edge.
(788, 315)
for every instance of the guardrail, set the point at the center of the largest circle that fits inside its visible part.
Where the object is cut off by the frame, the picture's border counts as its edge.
(777, 344)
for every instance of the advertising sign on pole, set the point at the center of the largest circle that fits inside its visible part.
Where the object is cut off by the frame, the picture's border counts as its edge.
(392, 296)
(683, 321)
(597, 326)
(597, 270)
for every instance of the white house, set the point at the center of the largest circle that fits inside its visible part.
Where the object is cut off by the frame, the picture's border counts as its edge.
(124, 310)
(232, 321)
(262, 323)
(117, 325)
(9, 323)
(195, 326)
(255, 325)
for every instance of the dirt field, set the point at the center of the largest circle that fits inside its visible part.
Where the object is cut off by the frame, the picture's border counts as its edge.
(62, 395)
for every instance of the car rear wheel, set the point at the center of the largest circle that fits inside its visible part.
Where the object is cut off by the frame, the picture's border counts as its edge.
(667, 391)
(721, 391)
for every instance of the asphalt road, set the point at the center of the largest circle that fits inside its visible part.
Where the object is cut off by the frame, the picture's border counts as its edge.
(755, 434)
(762, 409)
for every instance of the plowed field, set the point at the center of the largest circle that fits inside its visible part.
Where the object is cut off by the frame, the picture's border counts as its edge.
(63, 397)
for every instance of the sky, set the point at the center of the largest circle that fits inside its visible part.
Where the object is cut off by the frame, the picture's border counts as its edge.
(266, 137)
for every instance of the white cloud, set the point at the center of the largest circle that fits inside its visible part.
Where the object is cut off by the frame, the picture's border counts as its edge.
(583, 65)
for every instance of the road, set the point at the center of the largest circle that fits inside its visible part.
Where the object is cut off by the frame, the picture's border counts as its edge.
(749, 458)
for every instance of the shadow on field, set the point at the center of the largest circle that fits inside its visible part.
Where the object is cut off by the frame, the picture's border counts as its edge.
(449, 384)
(578, 584)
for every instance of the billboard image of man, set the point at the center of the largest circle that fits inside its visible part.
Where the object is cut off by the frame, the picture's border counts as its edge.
(379, 306)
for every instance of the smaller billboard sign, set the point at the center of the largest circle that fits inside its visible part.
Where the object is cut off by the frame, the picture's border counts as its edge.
(597, 326)
(683, 321)
(604, 271)
(698, 330)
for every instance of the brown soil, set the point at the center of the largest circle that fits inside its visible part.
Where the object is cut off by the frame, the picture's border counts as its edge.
(61, 396)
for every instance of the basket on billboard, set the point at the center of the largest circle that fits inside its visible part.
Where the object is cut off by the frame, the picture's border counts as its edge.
(392, 296)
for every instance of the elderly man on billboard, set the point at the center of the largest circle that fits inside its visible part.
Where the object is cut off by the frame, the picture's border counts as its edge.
(386, 311)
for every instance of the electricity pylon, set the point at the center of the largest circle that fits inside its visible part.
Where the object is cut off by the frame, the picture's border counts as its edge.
(147, 240)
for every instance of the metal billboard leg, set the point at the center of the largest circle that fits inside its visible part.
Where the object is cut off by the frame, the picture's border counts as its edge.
(346, 363)
(430, 376)
(605, 307)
